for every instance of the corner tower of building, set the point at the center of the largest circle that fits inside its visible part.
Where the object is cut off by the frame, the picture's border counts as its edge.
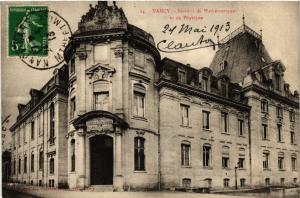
(112, 108)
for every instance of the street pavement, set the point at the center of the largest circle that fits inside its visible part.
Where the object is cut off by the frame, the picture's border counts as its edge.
(18, 191)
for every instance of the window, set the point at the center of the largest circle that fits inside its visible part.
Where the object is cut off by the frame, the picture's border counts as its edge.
(139, 93)
(279, 111)
(292, 115)
(264, 106)
(41, 160)
(101, 100)
(241, 162)
(72, 107)
(19, 166)
(242, 182)
(14, 166)
(241, 127)
(282, 181)
(185, 154)
(32, 162)
(241, 159)
(25, 164)
(266, 160)
(267, 181)
(206, 155)
(139, 104)
(295, 180)
(225, 157)
(72, 66)
(139, 154)
(279, 133)
(51, 164)
(221, 66)
(224, 122)
(181, 76)
(184, 115)
(294, 162)
(280, 161)
(277, 81)
(186, 183)
(225, 162)
(52, 123)
(264, 131)
(226, 183)
(32, 130)
(205, 83)
(293, 137)
(205, 116)
(72, 155)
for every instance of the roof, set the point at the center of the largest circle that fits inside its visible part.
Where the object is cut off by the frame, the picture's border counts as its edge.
(240, 51)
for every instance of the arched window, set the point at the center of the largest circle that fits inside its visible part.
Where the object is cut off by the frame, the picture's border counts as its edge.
(72, 155)
(25, 164)
(139, 93)
(32, 162)
(51, 165)
(139, 154)
(206, 155)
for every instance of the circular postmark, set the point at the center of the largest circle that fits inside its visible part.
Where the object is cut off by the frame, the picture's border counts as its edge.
(59, 32)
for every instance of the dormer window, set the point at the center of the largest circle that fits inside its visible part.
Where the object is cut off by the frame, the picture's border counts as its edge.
(277, 82)
(264, 106)
(181, 76)
(262, 59)
(205, 83)
(222, 65)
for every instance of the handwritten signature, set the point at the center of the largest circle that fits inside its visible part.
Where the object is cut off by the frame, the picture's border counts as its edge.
(170, 46)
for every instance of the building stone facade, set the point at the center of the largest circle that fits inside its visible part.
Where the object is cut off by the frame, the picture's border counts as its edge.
(116, 114)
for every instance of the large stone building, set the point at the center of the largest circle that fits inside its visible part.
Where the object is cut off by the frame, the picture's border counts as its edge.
(116, 114)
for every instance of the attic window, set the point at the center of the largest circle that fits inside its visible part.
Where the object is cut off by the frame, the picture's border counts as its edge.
(263, 60)
(222, 65)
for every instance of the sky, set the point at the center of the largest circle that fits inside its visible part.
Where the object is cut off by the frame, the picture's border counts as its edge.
(278, 20)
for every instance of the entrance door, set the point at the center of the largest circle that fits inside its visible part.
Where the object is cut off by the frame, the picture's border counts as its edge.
(101, 160)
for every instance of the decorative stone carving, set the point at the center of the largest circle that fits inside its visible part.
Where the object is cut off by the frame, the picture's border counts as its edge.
(100, 72)
(140, 133)
(118, 52)
(82, 55)
(103, 17)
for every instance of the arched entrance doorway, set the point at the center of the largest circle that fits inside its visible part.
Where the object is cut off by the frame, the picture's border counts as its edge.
(101, 150)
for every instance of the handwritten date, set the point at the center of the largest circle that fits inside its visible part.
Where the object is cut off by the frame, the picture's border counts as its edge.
(187, 29)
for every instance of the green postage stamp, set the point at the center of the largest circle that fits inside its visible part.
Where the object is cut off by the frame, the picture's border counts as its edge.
(28, 31)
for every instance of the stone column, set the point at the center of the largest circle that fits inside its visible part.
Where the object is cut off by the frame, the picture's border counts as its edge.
(87, 161)
(81, 85)
(118, 177)
(80, 161)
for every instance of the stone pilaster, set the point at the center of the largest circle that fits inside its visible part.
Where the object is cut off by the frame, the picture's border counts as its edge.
(118, 176)
(81, 163)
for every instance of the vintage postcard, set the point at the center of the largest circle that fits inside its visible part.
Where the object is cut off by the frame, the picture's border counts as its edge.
(150, 98)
